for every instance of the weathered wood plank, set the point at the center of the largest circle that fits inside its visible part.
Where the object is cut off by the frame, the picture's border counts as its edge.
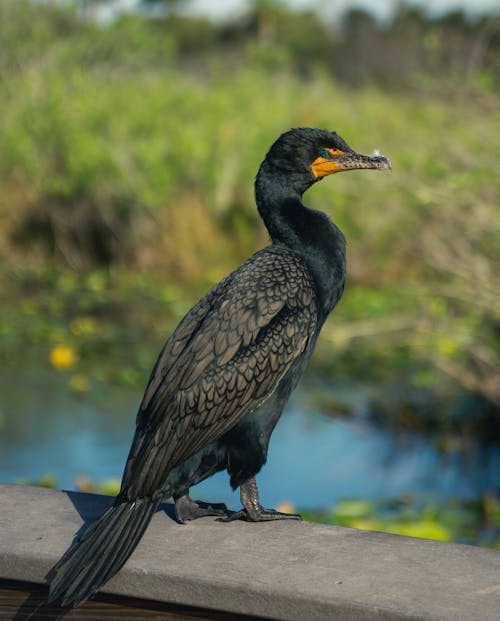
(22, 601)
(279, 570)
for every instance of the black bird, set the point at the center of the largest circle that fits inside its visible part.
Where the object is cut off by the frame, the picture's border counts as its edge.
(222, 379)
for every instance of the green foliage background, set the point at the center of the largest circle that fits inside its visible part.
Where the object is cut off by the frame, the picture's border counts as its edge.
(127, 158)
(133, 149)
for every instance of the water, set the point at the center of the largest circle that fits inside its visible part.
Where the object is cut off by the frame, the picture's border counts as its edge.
(314, 460)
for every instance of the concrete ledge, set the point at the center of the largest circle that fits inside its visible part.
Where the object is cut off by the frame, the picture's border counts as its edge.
(283, 570)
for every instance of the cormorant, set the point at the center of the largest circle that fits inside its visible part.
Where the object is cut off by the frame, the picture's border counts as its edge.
(222, 379)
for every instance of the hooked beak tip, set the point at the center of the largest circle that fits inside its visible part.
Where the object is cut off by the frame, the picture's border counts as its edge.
(375, 161)
(387, 164)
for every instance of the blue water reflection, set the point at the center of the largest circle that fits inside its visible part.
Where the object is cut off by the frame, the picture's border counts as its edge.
(314, 460)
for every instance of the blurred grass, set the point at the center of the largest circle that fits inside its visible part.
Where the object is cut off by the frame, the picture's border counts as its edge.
(473, 522)
(126, 190)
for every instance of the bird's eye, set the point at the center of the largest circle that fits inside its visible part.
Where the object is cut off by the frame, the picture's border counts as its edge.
(324, 153)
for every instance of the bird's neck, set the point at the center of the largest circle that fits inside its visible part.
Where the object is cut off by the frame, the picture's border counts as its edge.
(307, 232)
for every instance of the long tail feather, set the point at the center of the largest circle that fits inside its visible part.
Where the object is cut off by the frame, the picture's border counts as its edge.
(100, 552)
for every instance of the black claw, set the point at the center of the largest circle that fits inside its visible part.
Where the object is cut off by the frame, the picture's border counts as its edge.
(263, 515)
(267, 515)
(187, 509)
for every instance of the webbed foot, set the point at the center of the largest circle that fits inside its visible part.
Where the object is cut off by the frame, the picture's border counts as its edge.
(187, 509)
(261, 515)
(252, 510)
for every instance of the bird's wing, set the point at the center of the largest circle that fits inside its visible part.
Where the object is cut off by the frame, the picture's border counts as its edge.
(224, 359)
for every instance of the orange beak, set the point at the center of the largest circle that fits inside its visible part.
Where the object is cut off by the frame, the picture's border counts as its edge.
(339, 161)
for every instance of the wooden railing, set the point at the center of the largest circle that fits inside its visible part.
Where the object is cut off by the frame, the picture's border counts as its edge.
(282, 570)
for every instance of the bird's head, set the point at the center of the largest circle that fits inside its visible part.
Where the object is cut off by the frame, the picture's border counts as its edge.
(306, 155)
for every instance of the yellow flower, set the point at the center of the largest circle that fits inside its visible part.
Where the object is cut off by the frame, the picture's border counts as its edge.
(62, 357)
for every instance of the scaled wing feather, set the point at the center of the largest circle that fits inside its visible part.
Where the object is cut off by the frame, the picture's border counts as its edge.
(225, 358)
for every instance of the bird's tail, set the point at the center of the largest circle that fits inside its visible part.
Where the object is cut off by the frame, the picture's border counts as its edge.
(100, 552)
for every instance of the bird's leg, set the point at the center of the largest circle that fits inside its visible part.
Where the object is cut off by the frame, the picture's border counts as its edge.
(188, 509)
(253, 511)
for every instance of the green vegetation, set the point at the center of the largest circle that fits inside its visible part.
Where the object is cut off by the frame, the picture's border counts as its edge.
(473, 522)
(117, 164)
(126, 166)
